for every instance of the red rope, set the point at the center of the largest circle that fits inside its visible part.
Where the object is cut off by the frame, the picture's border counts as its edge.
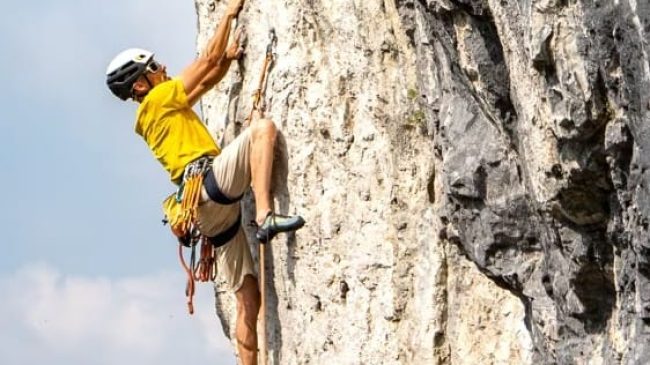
(202, 271)
(189, 287)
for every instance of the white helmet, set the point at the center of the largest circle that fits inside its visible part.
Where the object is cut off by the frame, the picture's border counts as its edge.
(124, 69)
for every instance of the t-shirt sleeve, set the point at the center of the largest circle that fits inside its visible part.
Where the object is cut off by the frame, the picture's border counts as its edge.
(170, 96)
(174, 96)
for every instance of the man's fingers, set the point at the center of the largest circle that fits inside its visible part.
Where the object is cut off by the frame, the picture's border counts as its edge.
(240, 36)
(234, 53)
(236, 48)
(237, 36)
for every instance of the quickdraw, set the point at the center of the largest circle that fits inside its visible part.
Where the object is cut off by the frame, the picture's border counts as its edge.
(190, 193)
(258, 94)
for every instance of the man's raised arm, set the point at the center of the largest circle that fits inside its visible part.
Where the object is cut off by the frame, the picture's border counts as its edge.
(194, 76)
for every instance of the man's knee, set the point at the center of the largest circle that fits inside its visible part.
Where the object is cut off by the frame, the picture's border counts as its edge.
(263, 128)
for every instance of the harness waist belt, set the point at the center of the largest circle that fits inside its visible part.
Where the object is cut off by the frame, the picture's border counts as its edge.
(227, 235)
(215, 194)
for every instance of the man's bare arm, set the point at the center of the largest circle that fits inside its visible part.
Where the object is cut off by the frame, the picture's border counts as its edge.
(216, 74)
(209, 63)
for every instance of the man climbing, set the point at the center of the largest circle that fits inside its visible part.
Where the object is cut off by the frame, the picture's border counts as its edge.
(182, 144)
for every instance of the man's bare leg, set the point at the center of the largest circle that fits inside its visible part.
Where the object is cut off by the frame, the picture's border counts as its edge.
(248, 305)
(263, 134)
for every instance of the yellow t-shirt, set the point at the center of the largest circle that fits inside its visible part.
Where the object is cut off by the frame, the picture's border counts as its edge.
(171, 129)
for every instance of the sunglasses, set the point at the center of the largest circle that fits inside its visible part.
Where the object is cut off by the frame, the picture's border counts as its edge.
(153, 67)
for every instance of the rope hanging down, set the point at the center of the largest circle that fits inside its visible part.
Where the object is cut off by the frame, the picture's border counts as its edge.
(202, 272)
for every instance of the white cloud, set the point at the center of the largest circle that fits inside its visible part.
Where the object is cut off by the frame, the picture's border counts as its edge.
(48, 316)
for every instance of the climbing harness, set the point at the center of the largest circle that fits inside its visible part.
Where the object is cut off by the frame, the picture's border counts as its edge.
(181, 212)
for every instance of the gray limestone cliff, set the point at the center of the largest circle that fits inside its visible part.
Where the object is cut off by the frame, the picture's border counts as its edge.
(475, 176)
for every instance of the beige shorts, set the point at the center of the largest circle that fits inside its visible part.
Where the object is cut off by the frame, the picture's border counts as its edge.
(232, 172)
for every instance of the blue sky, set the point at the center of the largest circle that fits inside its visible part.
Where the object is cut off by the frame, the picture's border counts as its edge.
(88, 273)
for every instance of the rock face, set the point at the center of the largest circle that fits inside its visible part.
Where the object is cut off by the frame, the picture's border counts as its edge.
(474, 173)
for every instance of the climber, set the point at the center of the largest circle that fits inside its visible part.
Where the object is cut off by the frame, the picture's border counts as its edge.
(181, 142)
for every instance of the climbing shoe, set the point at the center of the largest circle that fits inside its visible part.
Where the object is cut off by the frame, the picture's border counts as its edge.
(276, 223)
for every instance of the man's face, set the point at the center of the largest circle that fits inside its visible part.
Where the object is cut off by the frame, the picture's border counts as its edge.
(155, 73)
